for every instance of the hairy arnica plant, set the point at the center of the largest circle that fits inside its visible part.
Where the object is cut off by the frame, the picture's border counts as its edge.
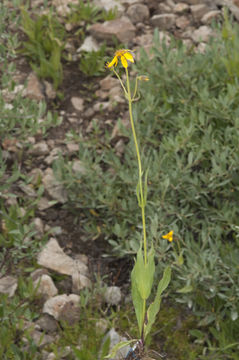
(142, 275)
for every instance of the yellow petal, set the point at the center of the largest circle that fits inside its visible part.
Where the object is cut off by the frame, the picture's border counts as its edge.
(129, 56)
(124, 61)
(114, 62)
(168, 236)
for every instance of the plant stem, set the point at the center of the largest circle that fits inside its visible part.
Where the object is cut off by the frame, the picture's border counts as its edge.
(142, 205)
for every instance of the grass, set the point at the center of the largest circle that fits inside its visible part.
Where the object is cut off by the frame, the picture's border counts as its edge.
(187, 123)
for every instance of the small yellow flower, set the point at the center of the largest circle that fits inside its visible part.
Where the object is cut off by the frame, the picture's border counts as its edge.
(143, 78)
(169, 236)
(124, 55)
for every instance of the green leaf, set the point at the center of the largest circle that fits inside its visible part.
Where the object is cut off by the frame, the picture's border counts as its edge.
(137, 301)
(186, 289)
(119, 346)
(144, 273)
(155, 306)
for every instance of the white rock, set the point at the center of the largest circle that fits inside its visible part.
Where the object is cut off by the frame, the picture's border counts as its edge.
(53, 257)
(45, 286)
(210, 16)
(8, 285)
(198, 11)
(115, 338)
(180, 8)
(113, 295)
(39, 149)
(202, 34)
(122, 29)
(163, 21)
(88, 45)
(110, 5)
(55, 305)
(78, 167)
(78, 103)
(138, 13)
(34, 89)
(53, 187)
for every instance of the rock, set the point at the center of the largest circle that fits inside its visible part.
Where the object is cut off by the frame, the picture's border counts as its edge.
(45, 286)
(190, 2)
(78, 103)
(202, 34)
(53, 257)
(62, 6)
(164, 9)
(36, 176)
(114, 339)
(122, 29)
(47, 323)
(181, 8)
(210, 16)
(78, 167)
(182, 22)
(53, 187)
(49, 90)
(88, 45)
(34, 89)
(101, 326)
(39, 149)
(54, 154)
(198, 11)
(138, 13)
(44, 204)
(110, 5)
(113, 295)
(55, 305)
(72, 148)
(41, 339)
(108, 82)
(8, 285)
(39, 226)
(163, 21)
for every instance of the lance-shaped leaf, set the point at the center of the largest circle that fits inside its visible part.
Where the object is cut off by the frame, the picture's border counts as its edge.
(155, 306)
(119, 346)
(137, 301)
(144, 273)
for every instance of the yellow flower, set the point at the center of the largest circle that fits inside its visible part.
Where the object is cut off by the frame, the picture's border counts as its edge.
(169, 236)
(124, 55)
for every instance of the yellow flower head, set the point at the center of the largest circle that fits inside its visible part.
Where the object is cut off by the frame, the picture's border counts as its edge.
(124, 55)
(169, 236)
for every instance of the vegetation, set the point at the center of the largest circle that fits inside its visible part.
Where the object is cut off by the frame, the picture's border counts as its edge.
(187, 122)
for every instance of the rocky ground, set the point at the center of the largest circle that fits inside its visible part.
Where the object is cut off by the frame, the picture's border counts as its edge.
(189, 20)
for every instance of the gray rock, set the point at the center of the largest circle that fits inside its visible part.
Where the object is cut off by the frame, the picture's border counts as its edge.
(89, 45)
(122, 29)
(78, 103)
(202, 34)
(110, 5)
(115, 338)
(210, 16)
(8, 285)
(53, 257)
(181, 8)
(198, 11)
(55, 305)
(53, 187)
(138, 13)
(39, 149)
(34, 89)
(182, 22)
(47, 323)
(45, 286)
(113, 295)
(163, 21)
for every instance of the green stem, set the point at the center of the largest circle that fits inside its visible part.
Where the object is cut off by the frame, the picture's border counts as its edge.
(142, 205)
